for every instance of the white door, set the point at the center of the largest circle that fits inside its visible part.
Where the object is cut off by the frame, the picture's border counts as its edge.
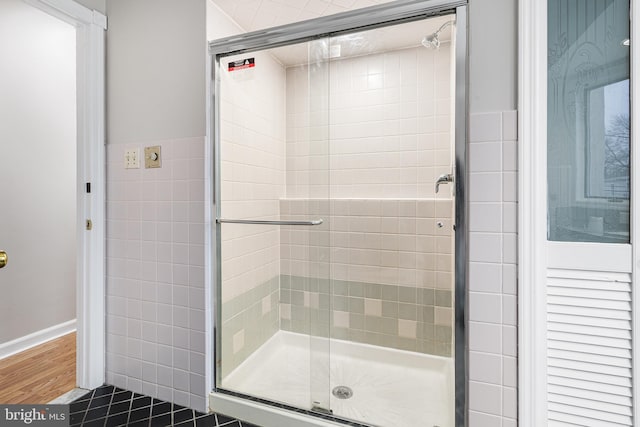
(577, 214)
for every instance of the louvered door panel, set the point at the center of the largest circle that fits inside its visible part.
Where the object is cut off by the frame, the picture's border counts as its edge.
(589, 348)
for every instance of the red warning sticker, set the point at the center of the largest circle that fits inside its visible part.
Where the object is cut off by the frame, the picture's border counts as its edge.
(242, 64)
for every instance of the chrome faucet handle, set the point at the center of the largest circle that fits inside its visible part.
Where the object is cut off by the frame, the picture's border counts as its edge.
(445, 178)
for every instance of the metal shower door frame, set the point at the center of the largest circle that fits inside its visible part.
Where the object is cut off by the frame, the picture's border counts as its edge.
(388, 14)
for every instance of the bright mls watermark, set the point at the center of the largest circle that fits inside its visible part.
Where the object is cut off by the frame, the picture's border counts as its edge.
(34, 415)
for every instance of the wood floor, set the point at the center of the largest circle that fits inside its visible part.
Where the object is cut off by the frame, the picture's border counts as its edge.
(40, 374)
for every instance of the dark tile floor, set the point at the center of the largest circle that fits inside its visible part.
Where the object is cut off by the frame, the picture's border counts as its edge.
(109, 406)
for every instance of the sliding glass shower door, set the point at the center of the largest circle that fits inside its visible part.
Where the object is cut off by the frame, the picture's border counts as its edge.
(336, 222)
(273, 222)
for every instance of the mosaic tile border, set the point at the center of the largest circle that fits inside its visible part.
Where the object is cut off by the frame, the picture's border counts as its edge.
(248, 321)
(400, 317)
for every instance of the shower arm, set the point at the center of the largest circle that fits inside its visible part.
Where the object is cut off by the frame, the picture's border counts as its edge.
(442, 27)
(432, 40)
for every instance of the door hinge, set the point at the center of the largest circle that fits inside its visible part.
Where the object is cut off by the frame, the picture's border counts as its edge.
(89, 225)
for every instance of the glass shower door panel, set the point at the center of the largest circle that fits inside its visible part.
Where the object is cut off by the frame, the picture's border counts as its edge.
(251, 173)
(318, 243)
(272, 227)
(391, 137)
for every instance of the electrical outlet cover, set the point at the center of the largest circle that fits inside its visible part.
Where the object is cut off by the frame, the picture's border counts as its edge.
(132, 158)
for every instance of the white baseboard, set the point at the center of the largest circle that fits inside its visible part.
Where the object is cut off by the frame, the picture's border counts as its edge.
(40, 337)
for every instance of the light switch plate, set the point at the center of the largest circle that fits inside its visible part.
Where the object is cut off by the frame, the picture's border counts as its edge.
(152, 157)
(132, 158)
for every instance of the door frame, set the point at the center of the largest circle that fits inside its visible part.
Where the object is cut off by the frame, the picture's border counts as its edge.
(90, 276)
(256, 410)
(535, 253)
(532, 217)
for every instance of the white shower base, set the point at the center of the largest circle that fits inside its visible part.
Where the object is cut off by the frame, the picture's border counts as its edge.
(391, 388)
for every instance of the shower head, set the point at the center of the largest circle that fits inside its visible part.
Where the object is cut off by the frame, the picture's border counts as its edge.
(432, 41)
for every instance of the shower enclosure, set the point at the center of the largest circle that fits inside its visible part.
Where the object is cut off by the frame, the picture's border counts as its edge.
(339, 263)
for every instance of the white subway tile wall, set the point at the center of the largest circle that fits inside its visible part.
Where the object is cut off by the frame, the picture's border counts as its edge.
(385, 241)
(155, 273)
(390, 134)
(390, 117)
(492, 270)
(252, 156)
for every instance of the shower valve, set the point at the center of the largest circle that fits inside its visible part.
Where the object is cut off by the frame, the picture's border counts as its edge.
(445, 178)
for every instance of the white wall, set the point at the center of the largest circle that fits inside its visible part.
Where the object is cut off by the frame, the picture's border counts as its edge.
(98, 5)
(493, 55)
(156, 52)
(492, 191)
(156, 342)
(37, 170)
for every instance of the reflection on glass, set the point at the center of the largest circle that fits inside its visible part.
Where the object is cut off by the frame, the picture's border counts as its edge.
(588, 121)
(608, 154)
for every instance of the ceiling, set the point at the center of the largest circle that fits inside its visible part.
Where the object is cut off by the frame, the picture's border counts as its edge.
(368, 42)
(252, 15)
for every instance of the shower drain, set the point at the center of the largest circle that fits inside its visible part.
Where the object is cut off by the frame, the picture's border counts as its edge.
(342, 392)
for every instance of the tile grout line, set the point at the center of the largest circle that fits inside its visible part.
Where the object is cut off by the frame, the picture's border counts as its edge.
(113, 393)
(186, 416)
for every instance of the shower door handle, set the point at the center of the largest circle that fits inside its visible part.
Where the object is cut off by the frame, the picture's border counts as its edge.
(445, 178)
(259, 222)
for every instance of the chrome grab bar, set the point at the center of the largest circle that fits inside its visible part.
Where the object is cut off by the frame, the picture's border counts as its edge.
(259, 222)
